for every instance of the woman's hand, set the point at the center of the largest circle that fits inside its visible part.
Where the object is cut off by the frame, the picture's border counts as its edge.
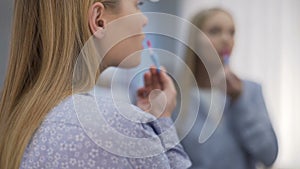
(158, 96)
(234, 84)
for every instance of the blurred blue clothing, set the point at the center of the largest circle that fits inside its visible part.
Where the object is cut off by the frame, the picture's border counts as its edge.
(243, 138)
(69, 139)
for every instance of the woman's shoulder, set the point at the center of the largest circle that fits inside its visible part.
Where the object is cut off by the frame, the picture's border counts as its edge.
(83, 125)
(75, 107)
(251, 85)
(251, 82)
(102, 117)
(58, 144)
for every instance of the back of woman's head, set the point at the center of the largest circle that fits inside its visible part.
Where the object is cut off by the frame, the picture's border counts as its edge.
(47, 38)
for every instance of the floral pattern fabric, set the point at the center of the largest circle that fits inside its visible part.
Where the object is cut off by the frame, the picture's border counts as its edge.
(63, 142)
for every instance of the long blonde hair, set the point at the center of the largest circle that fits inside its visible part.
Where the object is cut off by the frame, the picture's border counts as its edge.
(47, 38)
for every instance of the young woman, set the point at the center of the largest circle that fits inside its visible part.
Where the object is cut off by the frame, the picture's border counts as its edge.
(54, 62)
(244, 137)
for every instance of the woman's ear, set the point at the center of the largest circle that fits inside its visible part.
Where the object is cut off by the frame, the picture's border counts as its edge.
(96, 21)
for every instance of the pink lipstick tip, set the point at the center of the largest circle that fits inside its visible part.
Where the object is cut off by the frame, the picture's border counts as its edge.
(149, 43)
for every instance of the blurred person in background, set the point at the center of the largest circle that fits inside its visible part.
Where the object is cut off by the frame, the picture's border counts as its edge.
(244, 136)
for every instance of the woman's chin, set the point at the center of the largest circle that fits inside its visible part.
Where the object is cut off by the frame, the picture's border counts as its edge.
(131, 63)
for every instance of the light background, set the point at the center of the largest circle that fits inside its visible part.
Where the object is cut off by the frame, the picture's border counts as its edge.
(267, 51)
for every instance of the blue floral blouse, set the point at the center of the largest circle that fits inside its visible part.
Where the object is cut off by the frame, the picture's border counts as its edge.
(88, 131)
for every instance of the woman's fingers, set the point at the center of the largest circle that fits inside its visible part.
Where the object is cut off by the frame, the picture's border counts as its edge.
(152, 79)
(148, 80)
(142, 92)
(155, 76)
(166, 80)
(162, 90)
